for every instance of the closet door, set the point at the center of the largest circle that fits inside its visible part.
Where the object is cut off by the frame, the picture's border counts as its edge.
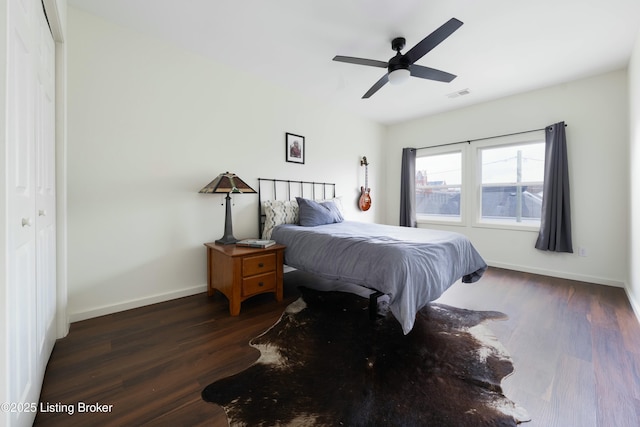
(45, 196)
(21, 305)
(31, 205)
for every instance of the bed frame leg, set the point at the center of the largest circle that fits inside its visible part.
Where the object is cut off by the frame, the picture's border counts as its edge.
(373, 304)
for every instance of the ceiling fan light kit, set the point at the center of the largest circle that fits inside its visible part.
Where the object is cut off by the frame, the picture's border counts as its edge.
(402, 66)
(399, 76)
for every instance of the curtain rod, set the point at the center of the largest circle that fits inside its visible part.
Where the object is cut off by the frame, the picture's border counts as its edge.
(469, 141)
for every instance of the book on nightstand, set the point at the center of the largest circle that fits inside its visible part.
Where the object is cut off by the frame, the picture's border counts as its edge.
(255, 243)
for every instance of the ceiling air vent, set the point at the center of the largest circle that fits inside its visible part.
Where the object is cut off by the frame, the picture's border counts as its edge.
(459, 93)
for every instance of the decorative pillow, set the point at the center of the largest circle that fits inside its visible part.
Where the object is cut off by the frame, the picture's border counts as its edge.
(278, 212)
(337, 201)
(314, 213)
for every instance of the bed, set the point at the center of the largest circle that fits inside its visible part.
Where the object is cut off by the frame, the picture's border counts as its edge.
(413, 266)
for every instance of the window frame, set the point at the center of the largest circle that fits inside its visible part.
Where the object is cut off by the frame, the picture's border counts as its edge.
(505, 141)
(441, 219)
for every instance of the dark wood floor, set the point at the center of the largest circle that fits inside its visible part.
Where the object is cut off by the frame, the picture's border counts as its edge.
(575, 346)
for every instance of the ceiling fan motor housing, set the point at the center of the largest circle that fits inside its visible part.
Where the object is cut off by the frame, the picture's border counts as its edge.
(399, 62)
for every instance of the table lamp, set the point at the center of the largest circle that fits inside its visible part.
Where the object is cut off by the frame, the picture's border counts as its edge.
(227, 183)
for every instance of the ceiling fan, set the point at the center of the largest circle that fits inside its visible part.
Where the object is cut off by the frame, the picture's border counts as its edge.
(402, 66)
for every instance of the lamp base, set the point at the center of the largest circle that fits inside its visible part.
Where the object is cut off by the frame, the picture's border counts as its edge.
(226, 240)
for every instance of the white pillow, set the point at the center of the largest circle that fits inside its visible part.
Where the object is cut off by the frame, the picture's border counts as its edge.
(278, 212)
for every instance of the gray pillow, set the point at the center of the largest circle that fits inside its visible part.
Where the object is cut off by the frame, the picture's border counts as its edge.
(312, 213)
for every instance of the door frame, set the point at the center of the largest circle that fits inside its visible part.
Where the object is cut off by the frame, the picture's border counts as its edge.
(56, 11)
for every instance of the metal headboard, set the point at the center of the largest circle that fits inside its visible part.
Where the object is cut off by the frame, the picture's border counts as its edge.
(284, 189)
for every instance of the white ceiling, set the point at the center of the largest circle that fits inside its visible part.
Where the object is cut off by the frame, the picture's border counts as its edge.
(504, 47)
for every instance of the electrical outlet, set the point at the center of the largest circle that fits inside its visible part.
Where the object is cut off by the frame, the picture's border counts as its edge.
(582, 251)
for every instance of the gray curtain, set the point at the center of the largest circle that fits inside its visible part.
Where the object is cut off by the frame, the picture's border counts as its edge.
(555, 227)
(408, 188)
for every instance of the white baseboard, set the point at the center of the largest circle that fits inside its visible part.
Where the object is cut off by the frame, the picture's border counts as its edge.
(140, 302)
(633, 300)
(560, 274)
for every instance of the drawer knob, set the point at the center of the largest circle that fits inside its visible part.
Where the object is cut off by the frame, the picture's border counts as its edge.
(261, 265)
(260, 283)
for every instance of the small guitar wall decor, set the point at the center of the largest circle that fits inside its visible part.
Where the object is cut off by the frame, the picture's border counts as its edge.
(365, 198)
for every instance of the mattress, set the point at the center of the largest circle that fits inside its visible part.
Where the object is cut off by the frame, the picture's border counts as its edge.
(412, 265)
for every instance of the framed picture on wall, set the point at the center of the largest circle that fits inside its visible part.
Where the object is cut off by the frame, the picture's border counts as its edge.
(295, 148)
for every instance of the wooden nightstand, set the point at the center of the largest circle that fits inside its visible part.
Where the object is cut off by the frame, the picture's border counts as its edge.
(241, 272)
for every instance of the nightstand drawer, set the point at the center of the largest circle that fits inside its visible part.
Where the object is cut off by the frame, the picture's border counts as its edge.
(258, 284)
(258, 264)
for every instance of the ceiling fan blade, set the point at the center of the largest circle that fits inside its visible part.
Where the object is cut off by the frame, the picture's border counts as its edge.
(361, 61)
(376, 86)
(433, 40)
(431, 73)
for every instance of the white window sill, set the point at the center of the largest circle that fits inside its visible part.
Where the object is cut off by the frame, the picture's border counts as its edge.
(531, 228)
(433, 221)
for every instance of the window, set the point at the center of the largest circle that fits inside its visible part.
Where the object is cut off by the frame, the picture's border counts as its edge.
(511, 183)
(496, 182)
(439, 186)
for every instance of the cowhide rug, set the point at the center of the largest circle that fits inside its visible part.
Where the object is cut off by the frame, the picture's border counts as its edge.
(324, 363)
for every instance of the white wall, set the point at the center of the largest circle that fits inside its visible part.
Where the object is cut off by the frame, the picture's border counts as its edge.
(596, 111)
(149, 125)
(633, 286)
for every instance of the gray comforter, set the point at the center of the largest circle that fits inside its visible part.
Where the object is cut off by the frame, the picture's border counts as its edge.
(412, 265)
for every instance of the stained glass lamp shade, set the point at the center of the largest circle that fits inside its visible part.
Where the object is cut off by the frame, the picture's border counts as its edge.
(227, 183)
